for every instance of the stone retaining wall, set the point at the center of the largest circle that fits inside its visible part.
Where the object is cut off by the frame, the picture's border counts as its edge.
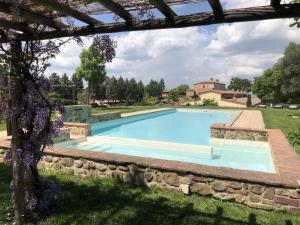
(254, 195)
(83, 114)
(96, 118)
(63, 135)
(224, 132)
(81, 129)
(77, 113)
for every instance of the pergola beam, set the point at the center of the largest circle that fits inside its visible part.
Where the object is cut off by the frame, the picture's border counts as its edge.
(16, 26)
(229, 16)
(275, 3)
(117, 9)
(163, 7)
(31, 16)
(216, 7)
(67, 10)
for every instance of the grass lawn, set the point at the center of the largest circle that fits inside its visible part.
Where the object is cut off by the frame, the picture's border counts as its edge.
(280, 119)
(123, 109)
(91, 201)
(2, 125)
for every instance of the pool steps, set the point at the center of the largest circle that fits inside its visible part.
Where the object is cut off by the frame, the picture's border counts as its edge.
(154, 144)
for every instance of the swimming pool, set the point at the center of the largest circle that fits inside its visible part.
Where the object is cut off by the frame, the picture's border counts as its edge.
(180, 126)
(181, 135)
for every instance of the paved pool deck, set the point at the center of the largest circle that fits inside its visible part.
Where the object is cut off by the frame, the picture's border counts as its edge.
(250, 119)
(124, 115)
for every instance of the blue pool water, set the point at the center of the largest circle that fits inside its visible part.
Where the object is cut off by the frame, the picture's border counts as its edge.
(180, 126)
(236, 156)
(184, 127)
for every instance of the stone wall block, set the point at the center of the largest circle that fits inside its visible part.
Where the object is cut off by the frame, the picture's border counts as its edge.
(123, 168)
(254, 198)
(219, 186)
(68, 162)
(101, 167)
(186, 180)
(240, 198)
(256, 189)
(269, 193)
(201, 188)
(287, 201)
(112, 167)
(235, 185)
(159, 177)
(149, 176)
(78, 163)
(171, 179)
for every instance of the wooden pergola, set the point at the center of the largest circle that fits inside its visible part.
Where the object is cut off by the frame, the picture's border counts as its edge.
(52, 14)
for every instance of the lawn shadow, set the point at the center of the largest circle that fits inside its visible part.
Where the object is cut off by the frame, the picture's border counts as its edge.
(123, 204)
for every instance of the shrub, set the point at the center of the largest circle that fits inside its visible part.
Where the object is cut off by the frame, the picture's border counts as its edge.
(150, 100)
(294, 137)
(210, 102)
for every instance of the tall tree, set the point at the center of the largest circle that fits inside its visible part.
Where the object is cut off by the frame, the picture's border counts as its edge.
(92, 68)
(267, 87)
(133, 90)
(154, 89)
(78, 82)
(237, 83)
(162, 84)
(121, 89)
(181, 89)
(54, 79)
(64, 80)
(289, 70)
(111, 88)
(141, 91)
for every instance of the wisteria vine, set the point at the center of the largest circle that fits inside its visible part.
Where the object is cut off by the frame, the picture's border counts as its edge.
(34, 111)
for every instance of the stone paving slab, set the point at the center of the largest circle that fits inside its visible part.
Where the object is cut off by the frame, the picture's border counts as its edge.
(251, 119)
(124, 115)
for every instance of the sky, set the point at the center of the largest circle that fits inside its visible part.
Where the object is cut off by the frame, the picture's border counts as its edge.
(193, 54)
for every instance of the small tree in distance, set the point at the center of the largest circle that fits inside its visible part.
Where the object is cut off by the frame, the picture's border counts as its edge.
(92, 66)
(249, 102)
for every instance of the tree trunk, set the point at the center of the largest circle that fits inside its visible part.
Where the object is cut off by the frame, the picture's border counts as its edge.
(18, 168)
(88, 94)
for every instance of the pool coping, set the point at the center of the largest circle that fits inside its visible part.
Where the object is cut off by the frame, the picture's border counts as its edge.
(144, 112)
(282, 152)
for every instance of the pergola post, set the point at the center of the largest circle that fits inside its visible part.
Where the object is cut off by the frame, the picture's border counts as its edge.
(16, 144)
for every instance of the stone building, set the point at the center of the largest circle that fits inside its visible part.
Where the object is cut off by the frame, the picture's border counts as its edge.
(215, 90)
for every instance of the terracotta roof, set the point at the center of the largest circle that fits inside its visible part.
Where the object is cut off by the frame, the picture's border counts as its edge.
(209, 82)
(221, 91)
(243, 101)
(254, 100)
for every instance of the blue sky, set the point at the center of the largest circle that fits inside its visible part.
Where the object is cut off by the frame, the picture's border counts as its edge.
(193, 54)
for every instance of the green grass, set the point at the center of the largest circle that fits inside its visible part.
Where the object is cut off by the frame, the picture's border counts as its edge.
(107, 202)
(123, 109)
(2, 125)
(281, 119)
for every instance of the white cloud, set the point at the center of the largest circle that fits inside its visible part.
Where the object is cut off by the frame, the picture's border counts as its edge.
(192, 54)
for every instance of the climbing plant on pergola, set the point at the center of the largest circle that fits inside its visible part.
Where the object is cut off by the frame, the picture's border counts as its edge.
(19, 20)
